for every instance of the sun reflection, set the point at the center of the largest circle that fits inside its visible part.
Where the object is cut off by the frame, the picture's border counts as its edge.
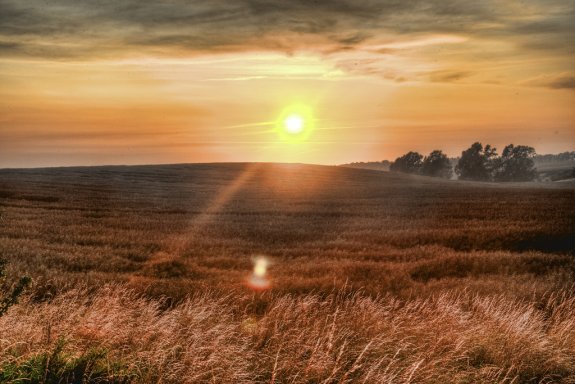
(258, 280)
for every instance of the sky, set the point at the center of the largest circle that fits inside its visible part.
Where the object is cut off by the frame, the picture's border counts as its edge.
(173, 81)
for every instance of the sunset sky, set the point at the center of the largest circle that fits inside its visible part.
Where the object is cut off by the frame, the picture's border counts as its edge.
(174, 81)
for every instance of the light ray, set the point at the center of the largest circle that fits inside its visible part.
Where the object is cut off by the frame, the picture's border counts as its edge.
(247, 125)
(181, 241)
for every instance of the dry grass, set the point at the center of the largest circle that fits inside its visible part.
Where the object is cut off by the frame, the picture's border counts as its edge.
(139, 276)
(344, 337)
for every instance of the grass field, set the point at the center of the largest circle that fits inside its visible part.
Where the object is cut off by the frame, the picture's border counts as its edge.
(140, 275)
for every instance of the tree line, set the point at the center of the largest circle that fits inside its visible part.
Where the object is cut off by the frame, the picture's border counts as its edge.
(556, 158)
(478, 162)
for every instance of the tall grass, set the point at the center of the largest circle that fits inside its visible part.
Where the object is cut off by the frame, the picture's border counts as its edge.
(344, 337)
(139, 276)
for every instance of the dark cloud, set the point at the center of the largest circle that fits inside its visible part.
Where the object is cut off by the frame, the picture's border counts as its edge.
(448, 76)
(353, 39)
(563, 82)
(95, 28)
(9, 46)
(556, 81)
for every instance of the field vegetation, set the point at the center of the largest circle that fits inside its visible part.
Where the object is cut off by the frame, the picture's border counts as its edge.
(140, 275)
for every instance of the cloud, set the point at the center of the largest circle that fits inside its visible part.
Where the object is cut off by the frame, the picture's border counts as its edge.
(218, 25)
(448, 76)
(101, 29)
(556, 81)
(563, 82)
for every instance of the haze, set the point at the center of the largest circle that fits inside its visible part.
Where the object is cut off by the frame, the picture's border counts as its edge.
(139, 81)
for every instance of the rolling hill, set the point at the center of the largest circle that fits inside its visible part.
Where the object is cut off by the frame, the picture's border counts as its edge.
(141, 274)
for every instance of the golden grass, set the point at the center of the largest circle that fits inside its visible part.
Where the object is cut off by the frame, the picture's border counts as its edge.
(344, 337)
(140, 276)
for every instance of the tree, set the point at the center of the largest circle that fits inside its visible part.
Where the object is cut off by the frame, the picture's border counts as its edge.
(476, 163)
(515, 164)
(437, 164)
(409, 163)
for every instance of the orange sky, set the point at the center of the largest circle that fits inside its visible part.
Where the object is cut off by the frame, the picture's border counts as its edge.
(144, 82)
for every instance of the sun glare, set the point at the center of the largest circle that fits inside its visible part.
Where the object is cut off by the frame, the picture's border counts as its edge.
(295, 123)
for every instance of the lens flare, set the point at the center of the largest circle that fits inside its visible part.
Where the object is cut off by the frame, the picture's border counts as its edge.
(260, 267)
(258, 280)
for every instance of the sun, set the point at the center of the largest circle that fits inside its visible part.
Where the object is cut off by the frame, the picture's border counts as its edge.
(295, 123)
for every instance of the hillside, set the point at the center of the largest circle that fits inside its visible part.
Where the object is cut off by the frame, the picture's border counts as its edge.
(145, 270)
(208, 219)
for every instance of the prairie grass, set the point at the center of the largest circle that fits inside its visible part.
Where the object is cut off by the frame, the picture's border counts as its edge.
(342, 337)
(139, 276)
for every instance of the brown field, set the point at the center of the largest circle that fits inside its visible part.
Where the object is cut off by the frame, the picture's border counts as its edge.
(139, 276)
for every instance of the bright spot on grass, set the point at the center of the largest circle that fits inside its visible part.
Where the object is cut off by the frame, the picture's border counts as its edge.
(258, 280)
(260, 267)
(250, 325)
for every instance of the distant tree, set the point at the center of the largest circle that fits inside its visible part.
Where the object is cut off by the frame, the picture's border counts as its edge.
(437, 164)
(515, 164)
(476, 163)
(409, 163)
(376, 165)
(557, 158)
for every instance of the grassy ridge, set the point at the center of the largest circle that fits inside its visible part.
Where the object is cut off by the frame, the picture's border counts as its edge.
(375, 276)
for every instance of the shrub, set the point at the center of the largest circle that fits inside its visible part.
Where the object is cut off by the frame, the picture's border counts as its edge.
(60, 367)
(9, 294)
